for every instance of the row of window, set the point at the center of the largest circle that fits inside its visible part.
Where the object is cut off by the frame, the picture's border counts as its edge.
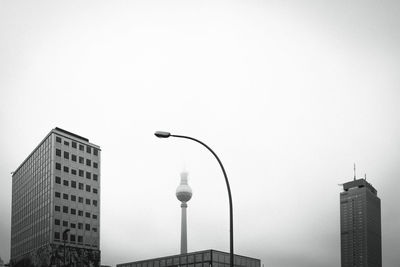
(81, 173)
(74, 211)
(75, 158)
(81, 147)
(74, 184)
(72, 238)
(74, 198)
(75, 225)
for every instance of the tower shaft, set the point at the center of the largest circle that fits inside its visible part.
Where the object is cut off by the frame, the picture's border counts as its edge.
(183, 229)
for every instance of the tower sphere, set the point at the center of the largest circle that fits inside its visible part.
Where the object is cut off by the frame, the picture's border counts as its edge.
(184, 192)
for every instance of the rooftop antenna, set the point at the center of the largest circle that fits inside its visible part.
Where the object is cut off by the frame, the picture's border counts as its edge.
(354, 171)
(365, 176)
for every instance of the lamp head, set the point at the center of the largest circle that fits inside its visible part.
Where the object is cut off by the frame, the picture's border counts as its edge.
(161, 134)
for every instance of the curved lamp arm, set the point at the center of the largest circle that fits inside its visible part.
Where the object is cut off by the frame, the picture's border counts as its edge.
(161, 134)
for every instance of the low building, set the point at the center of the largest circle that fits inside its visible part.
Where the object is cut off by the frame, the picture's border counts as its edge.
(205, 258)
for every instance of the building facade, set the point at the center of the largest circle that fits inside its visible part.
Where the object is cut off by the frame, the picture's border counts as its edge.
(360, 225)
(55, 217)
(206, 258)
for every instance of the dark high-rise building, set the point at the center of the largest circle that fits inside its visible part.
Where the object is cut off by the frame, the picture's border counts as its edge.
(360, 225)
(55, 216)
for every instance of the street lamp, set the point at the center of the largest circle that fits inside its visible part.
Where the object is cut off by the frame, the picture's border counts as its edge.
(65, 232)
(161, 134)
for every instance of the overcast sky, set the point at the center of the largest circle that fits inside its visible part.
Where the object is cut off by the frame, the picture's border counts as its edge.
(288, 93)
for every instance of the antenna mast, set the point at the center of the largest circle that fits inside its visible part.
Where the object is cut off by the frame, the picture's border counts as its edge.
(354, 171)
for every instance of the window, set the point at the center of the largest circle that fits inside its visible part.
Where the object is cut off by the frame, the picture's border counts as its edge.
(73, 184)
(57, 194)
(58, 166)
(73, 225)
(95, 190)
(80, 239)
(81, 172)
(65, 223)
(65, 209)
(73, 157)
(94, 229)
(73, 144)
(95, 177)
(87, 188)
(95, 151)
(87, 226)
(94, 216)
(72, 238)
(58, 139)
(58, 180)
(80, 199)
(65, 196)
(73, 211)
(94, 203)
(87, 214)
(80, 186)
(190, 258)
(88, 175)
(87, 201)
(81, 160)
(88, 149)
(73, 198)
(56, 235)
(95, 165)
(66, 169)
(57, 222)
(66, 155)
(80, 225)
(88, 162)
(80, 212)
(58, 152)
(66, 143)
(81, 147)
(57, 208)
(65, 182)
(73, 171)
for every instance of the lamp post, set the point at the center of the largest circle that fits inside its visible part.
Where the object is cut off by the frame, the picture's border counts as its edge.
(161, 134)
(65, 232)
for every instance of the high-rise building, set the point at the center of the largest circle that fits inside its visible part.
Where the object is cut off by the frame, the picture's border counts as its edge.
(55, 217)
(360, 225)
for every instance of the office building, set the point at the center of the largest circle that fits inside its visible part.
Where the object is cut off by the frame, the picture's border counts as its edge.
(55, 217)
(360, 225)
(206, 258)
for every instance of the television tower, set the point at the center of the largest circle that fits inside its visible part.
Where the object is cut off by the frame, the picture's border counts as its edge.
(184, 194)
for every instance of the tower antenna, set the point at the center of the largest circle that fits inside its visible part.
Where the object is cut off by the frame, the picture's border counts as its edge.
(354, 171)
(365, 176)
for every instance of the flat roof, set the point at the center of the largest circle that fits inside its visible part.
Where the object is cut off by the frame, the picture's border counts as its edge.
(74, 135)
(179, 255)
(358, 184)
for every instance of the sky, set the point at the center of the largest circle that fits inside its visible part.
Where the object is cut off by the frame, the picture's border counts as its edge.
(289, 94)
